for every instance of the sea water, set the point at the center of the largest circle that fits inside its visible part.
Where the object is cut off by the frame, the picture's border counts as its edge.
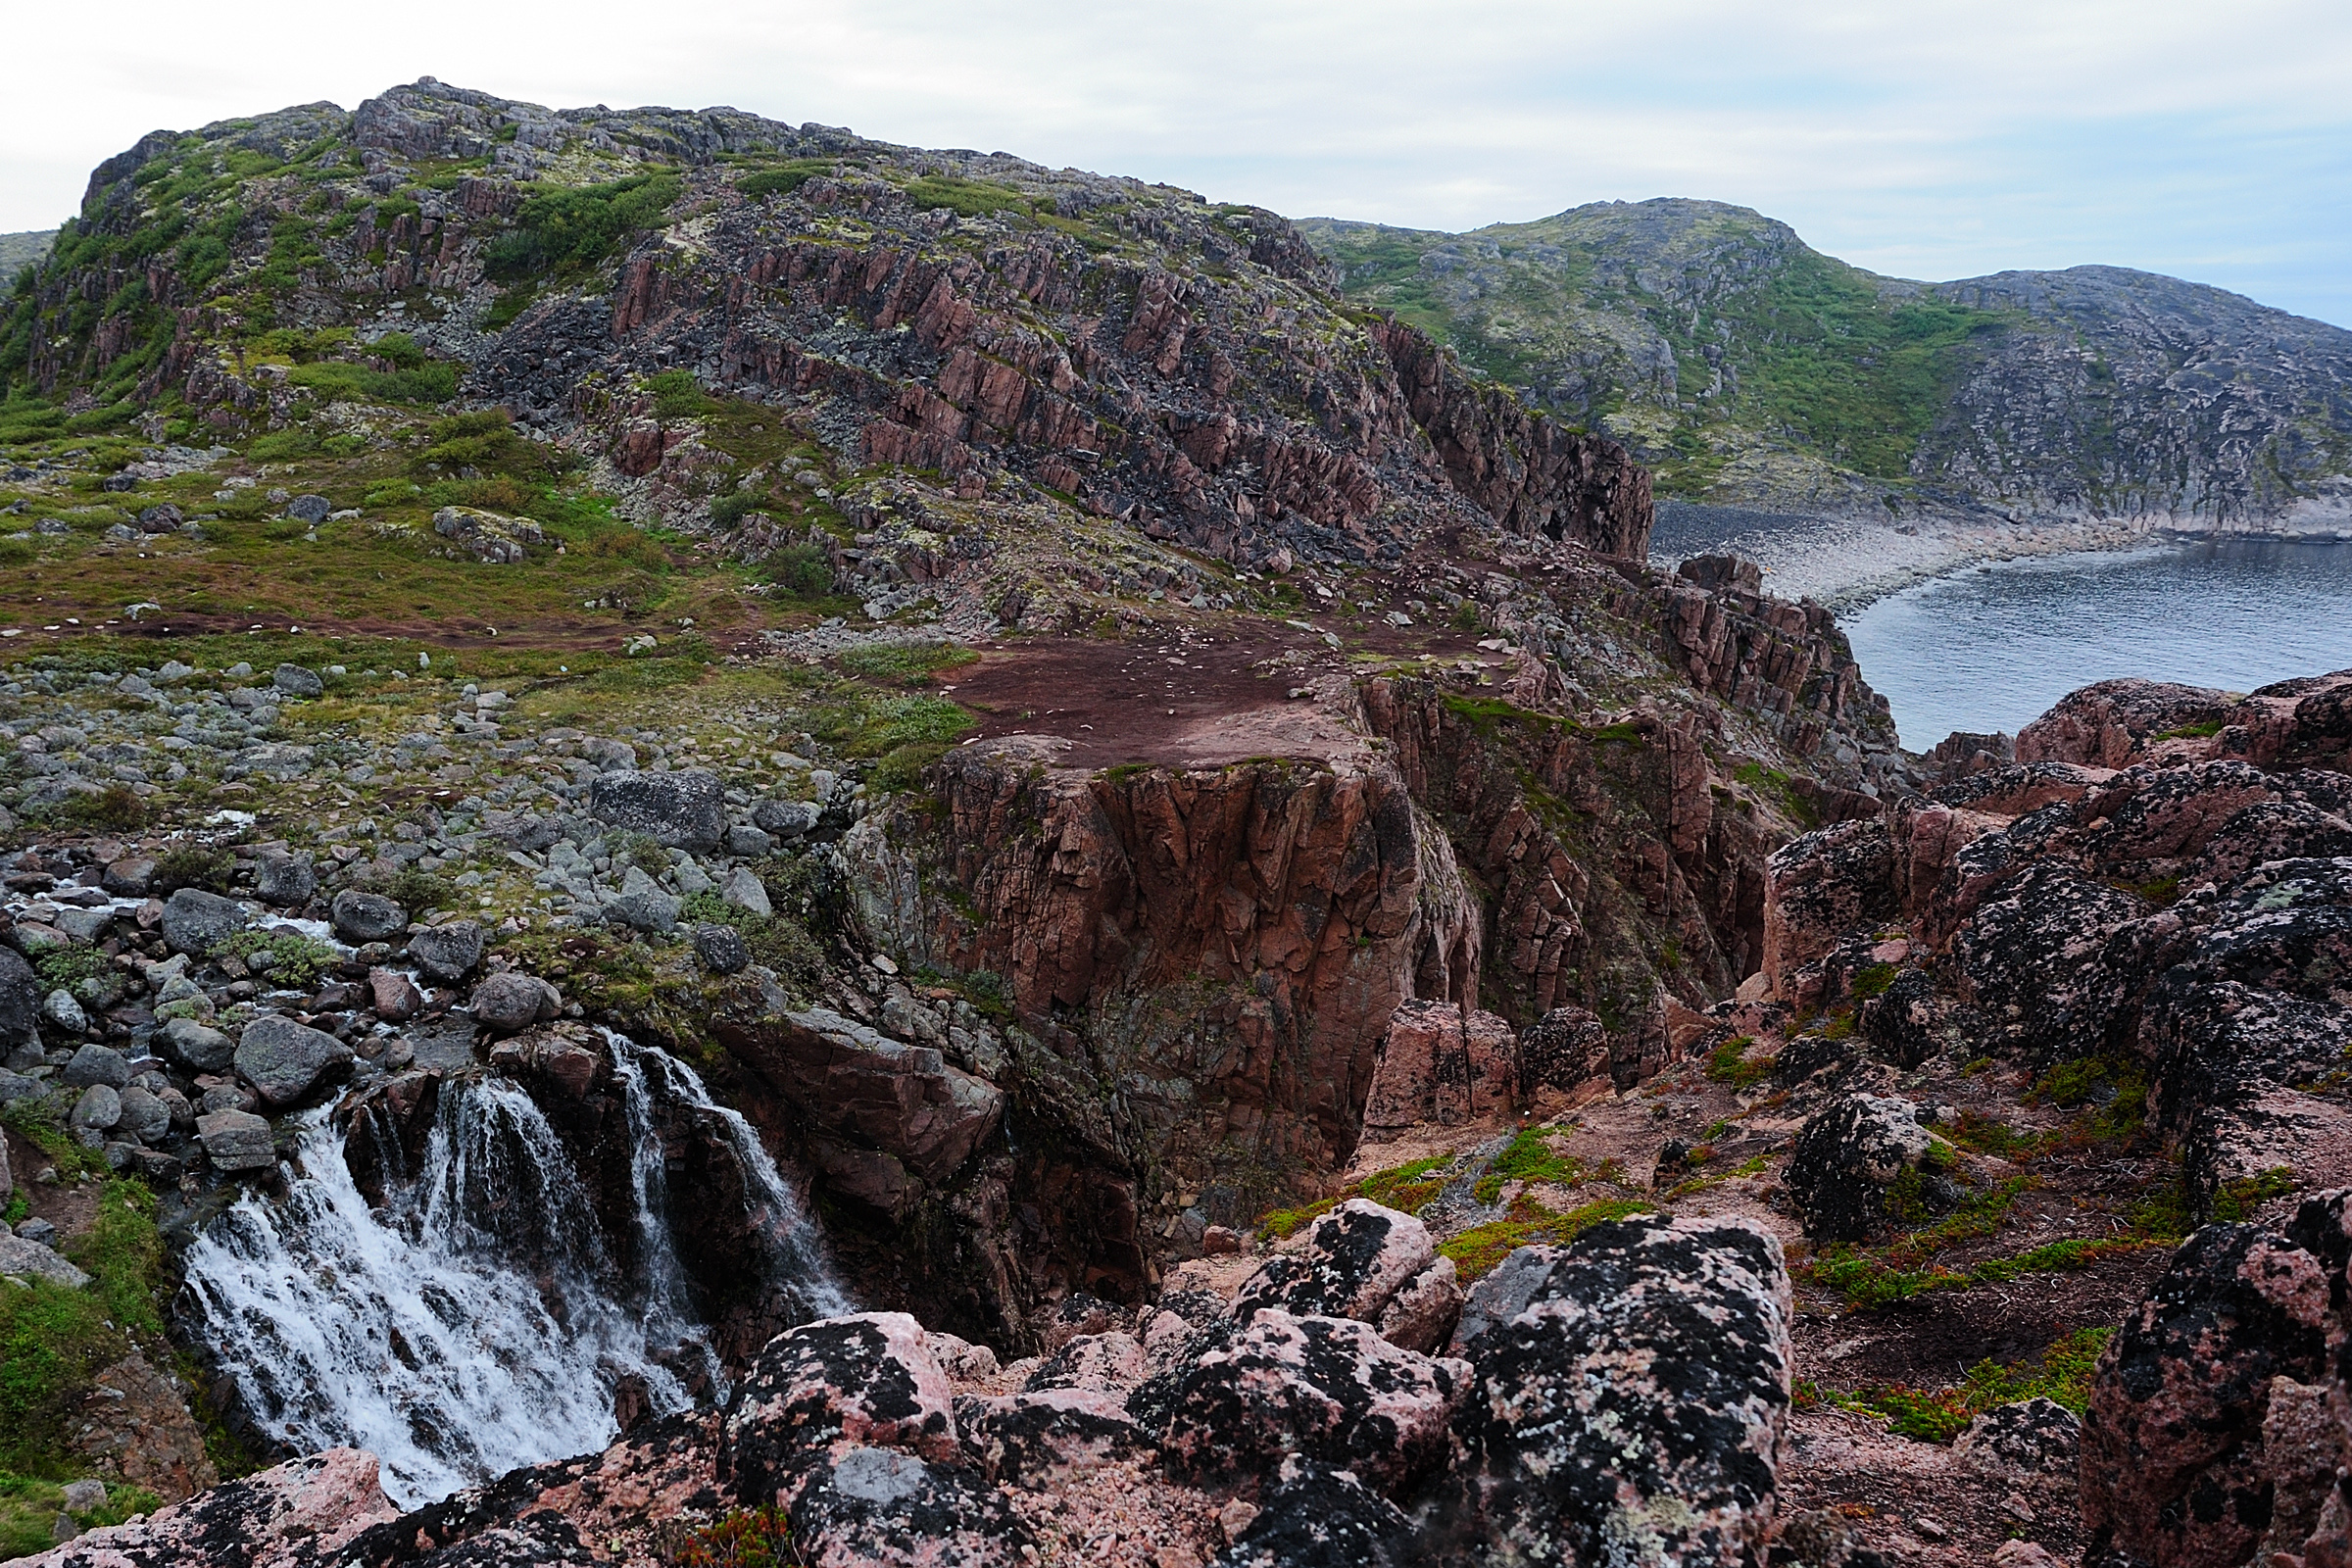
(1991, 648)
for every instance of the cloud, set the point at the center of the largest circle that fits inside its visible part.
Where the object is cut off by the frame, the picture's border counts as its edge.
(1936, 139)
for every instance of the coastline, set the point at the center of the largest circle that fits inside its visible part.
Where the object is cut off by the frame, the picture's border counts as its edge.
(1847, 564)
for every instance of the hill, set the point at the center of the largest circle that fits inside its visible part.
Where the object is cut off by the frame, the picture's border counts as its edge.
(19, 251)
(1754, 371)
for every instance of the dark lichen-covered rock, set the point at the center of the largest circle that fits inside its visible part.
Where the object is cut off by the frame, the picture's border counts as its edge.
(1352, 1263)
(2173, 1469)
(868, 1378)
(1315, 1516)
(2031, 1437)
(1819, 887)
(284, 879)
(2030, 957)
(1859, 1163)
(1900, 1022)
(298, 1514)
(884, 1508)
(1565, 1048)
(20, 1000)
(1046, 1436)
(1330, 1389)
(684, 810)
(1101, 1362)
(1629, 1398)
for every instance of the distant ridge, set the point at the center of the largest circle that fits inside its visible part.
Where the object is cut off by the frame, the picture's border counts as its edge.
(19, 251)
(1754, 371)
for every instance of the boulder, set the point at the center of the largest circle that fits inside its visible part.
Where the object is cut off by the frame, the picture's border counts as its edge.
(1440, 1063)
(145, 1116)
(1902, 1022)
(1324, 1388)
(98, 1109)
(97, 1064)
(1099, 1363)
(488, 536)
(1629, 1398)
(19, 999)
(26, 1259)
(285, 880)
(507, 1003)
(363, 917)
(746, 892)
(1351, 1262)
(2175, 1469)
(196, 921)
(1819, 887)
(194, 1046)
(1565, 1048)
(884, 1508)
(1858, 1163)
(60, 1010)
(721, 948)
(1423, 1313)
(1043, 1436)
(2034, 1437)
(2106, 725)
(1316, 1516)
(285, 1060)
(786, 819)
(393, 996)
(310, 508)
(680, 811)
(235, 1140)
(448, 952)
(129, 877)
(642, 905)
(862, 1381)
(303, 1511)
(1075, 1315)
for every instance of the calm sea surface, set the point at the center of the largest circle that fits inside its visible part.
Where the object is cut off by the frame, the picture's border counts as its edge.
(1993, 647)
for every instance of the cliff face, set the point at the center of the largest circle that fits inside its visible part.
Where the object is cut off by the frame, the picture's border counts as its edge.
(1751, 370)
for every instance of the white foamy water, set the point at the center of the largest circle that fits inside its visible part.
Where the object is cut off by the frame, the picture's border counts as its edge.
(477, 1323)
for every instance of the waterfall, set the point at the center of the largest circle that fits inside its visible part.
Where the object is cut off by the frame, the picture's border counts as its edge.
(477, 1322)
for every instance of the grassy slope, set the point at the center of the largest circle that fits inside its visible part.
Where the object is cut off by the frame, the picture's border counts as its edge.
(1816, 355)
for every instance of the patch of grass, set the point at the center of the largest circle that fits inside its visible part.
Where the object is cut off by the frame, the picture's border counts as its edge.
(1730, 1063)
(2115, 1089)
(901, 768)
(1981, 1134)
(2203, 729)
(800, 572)
(1529, 1157)
(878, 728)
(1872, 980)
(777, 941)
(31, 1505)
(2236, 1200)
(417, 891)
(1476, 1251)
(2063, 1375)
(906, 663)
(116, 808)
(52, 1339)
(969, 198)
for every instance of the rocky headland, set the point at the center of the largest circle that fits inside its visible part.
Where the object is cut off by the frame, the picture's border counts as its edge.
(728, 845)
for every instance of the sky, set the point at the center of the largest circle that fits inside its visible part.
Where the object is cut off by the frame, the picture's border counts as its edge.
(1924, 139)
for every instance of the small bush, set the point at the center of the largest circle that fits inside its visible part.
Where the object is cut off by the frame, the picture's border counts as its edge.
(291, 962)
(116, 808)
(751, 1537)
(210, 868)
(677, 395)
(901, 768)
(640, 850)
(732, 507)
(63, 968)
(570, 231)
(774, 181)
(799, 570)
(417, 891)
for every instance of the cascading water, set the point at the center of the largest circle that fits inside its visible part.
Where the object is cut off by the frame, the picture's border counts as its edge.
(477, 1321)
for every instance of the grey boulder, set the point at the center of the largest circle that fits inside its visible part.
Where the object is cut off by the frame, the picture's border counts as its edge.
(60, 1010)
(285, 1060)
(19, 997)
(786, 819)
(680, 811)
(313, 509)
(196, 921)
(145, 1116)
(448, 952)
(98, 1107)
(642, 905)
(235, 1140)
(509, 1003)
(32, 1261)
(194, 1046)
(97, 1064)
(296, 681)
(360, 917)
(721, 948)
(285, 880)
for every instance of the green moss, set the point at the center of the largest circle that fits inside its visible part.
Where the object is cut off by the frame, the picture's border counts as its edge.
(1730, 1063)
(1528, 1157)
(29, 1506)
(290, 962)
(1872, 980)
(567, 231)
(746, 1538)
(2063, 1374)
(52, 1339)
(1476, 1251)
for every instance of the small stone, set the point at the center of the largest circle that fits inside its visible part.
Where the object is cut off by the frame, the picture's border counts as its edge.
(721, 948)
(83, 1496)
(748, 842)
(194, 1046)
(286, 880)
(30, 1260)
(746, 892)
(448, 952)
(60, 1010)
(99, 1107)
(235, 1140)
(509, 1003)
(394, 996)
(129, 877)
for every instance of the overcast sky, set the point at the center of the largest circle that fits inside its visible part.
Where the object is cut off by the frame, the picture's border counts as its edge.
(1926, 138)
